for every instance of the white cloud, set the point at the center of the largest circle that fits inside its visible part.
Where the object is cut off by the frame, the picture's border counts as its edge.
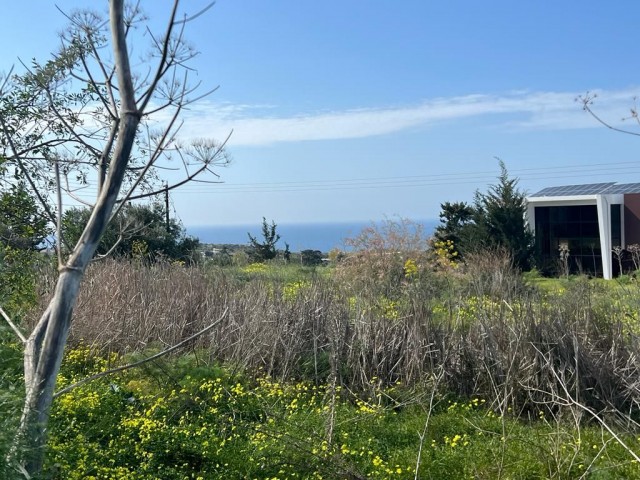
(257, 125)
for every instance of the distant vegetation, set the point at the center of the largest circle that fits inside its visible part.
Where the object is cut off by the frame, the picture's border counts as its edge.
(265, 248)
(142, 231)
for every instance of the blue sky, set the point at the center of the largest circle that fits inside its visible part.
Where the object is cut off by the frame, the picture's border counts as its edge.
(355, 110)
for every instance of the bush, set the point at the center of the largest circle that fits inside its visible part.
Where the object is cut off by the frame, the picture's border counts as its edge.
(379, 254)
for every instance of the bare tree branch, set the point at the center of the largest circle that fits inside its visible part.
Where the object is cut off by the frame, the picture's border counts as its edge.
(59, 214)
(587, 102)
(196, 15)
(13, 326)
(163, 58)
(190, 177)
(153, 158)
(144, 360)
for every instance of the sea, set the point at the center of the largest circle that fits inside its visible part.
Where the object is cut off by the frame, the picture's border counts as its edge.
(300, 236)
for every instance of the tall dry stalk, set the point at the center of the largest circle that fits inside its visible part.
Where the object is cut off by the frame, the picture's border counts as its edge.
(499, 347)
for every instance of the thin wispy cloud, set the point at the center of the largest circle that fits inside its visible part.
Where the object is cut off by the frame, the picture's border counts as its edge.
(259, 125)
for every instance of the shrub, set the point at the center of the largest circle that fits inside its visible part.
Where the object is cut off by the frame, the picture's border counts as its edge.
(379, 255)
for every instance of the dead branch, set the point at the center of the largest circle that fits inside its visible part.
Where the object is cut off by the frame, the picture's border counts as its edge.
(13, 326)
(144, 360)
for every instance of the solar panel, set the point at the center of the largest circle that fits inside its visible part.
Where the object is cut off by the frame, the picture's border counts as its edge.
(611, 188)
(569, 190)
(624, 188)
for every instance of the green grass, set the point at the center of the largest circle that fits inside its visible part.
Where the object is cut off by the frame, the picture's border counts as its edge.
(184, 419)
(274, 271)
(550, 284)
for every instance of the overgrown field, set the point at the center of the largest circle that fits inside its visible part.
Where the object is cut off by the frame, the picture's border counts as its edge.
(382, 366)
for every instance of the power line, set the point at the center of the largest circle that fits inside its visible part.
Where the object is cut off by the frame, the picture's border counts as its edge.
(414, 180)
(575, 171)
(492, 173)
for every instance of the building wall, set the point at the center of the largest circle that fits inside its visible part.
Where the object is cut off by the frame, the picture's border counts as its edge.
(632, 218)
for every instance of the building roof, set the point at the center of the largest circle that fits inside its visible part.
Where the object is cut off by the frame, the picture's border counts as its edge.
(610, 188)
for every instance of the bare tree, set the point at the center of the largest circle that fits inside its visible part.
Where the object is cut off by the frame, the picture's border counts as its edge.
(85, 118)
(588, 99)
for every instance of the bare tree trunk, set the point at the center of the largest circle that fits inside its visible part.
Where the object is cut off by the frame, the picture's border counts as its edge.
(41, 369)
(46, 344)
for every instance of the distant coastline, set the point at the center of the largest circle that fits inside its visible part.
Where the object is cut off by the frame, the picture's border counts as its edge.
(302, 236)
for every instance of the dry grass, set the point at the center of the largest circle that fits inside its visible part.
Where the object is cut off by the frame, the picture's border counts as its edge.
(518, 347)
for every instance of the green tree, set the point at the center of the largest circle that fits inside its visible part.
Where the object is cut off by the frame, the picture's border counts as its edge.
(500, 219)
(266, 249)
(456, 225)
(24, 228)
(135, 225)
(23, 224)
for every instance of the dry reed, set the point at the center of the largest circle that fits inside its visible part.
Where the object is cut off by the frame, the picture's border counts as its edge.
(520, 350)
